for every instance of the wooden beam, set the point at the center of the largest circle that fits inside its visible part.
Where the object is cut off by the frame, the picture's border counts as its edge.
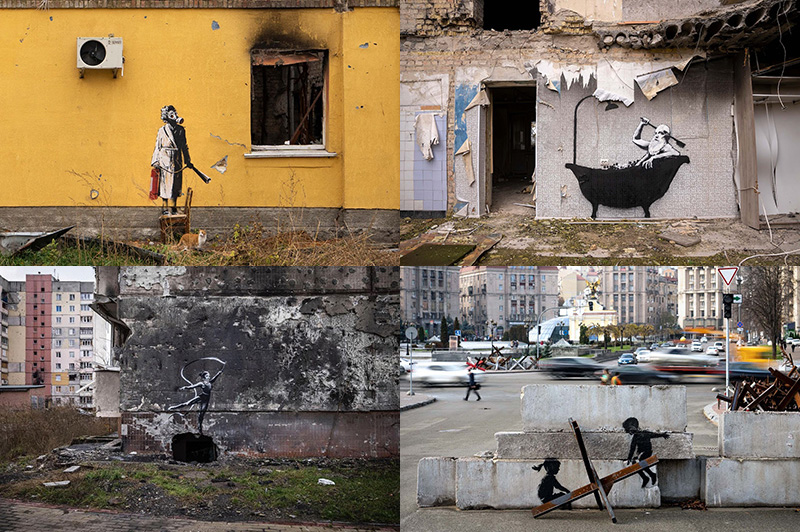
(744, 115)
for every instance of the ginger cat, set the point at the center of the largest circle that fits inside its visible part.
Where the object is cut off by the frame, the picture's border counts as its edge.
(192, 241)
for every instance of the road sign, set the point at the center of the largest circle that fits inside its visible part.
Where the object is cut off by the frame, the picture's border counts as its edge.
(457, 333)
(739, 325)
(411, 333)
(737, 298)
(728, 273)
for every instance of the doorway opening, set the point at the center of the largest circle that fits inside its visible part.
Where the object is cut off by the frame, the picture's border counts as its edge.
(188, 447)
(513, 147)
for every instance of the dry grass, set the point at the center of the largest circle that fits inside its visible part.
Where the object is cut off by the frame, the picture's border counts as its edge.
(35, 432)
(248, 246)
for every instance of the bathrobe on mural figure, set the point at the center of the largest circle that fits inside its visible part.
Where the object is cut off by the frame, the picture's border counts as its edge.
(169, 156)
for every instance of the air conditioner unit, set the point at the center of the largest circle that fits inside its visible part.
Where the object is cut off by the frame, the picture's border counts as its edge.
(100, 53)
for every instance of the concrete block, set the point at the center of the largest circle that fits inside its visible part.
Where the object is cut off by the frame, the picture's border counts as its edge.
(680, 479)
(759, 435)
(436, 481)
(751, 482)
(599, 445)
(548, 407)
(513, 484)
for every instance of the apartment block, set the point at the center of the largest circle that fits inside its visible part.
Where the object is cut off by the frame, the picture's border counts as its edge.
(428, 295)
(699, 297)
(639, 294)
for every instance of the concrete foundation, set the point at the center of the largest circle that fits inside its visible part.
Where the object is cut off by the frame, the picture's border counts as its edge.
(436, 481)
(513, 484)
(548, 407)
(759, 434)
(600, 445)
(763, 482)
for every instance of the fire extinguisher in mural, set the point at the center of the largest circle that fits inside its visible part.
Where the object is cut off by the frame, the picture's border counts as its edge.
(635, 184)
(169, 156)
(205, 384)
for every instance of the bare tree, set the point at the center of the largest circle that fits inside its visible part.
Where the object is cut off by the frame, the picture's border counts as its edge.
(767, 295)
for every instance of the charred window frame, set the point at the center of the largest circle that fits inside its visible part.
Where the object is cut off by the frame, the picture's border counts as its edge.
(288, 103)
(505, 15)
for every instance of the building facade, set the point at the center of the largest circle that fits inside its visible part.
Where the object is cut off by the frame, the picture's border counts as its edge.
(290, 107)
(50, 337)
(554, 90)
(4, 295)
(496, 298)
(700, 297)
(428, 295)
(639, 294)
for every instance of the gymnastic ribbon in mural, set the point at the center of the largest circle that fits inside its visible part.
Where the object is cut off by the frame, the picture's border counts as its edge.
(169, 156)
(204, 385)
(635, 184)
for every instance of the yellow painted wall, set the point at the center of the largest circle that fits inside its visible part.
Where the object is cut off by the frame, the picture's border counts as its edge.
(61, 136)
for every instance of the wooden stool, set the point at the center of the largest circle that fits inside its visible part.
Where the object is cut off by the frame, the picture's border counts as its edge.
(169, 221)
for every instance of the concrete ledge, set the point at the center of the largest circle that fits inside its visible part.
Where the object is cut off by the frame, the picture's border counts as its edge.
(436, 482)
(759, 434)
(751, 482)
(680, 479)
(141, 223)
(513, 484)
(548, 407)
(600, 445)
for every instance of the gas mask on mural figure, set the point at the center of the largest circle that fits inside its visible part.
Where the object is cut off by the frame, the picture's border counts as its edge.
(169, 114)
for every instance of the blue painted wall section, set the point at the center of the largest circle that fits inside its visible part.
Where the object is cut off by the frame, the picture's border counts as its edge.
(464, 95)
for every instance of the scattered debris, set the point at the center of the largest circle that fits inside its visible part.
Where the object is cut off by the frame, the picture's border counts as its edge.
(326, 482)
(693, 504)
(13, 243)
(679, 238)
(72, 469)
(57, 484)
(485, 243)
(525, 205)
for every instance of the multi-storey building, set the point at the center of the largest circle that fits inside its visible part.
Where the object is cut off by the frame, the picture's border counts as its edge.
(496, 298)
(49, 338)
(429, 295)
(639, 294)
(699, 297)
(4, 293)
(571, 285)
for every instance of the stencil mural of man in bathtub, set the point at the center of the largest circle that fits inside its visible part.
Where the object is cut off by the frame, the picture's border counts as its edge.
(658, 147)
(635, 184)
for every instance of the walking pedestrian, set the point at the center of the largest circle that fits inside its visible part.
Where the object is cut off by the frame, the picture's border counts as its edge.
(605, 378)
(472, 385)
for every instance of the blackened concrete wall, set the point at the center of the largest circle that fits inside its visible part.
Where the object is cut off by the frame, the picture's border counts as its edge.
(311, 358)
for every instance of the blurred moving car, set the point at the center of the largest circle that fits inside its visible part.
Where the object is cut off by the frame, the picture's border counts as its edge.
(405, 365)
(643, 375)
(711, 350)
(563, 367)
(697, 346)
(431, 373)
(720, 346)
(626, 359)
(680, 356)
(643, 357)
(653, 346)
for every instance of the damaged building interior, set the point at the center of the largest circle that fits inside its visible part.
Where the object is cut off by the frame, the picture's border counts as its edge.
(577, 108)
(275, 362)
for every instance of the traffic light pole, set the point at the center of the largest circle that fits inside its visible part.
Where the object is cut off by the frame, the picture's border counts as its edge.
(727, 353)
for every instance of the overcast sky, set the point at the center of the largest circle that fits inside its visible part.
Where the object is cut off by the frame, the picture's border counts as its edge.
(62, 273)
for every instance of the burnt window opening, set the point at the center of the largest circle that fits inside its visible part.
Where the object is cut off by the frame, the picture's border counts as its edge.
(287, 98)
(505, 15)
(188, 447)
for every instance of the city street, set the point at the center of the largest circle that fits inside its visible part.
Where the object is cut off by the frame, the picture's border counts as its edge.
(452, 427)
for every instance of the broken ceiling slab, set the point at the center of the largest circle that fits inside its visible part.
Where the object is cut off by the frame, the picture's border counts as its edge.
(738, 26)
(653, 73)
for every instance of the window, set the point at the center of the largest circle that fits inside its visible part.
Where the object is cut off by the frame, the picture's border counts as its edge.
(72, 354)
(72, 308)
(58, 297)
(85, 308)
(72, 332)
(287, 99)
(58, 378)
(58, 354)
(58, 319)
(57, 343)
(71, 365)
(72, 319)
(57, 332)
(72, 297)
(58, 308)
(86, 296)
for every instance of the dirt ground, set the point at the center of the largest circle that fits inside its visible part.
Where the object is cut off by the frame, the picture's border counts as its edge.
(526, 240)
(230, 489)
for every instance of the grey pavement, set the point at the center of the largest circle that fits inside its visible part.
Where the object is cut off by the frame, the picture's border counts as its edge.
(655, 520)
(453, 427)
(407, 402)
(31, 517)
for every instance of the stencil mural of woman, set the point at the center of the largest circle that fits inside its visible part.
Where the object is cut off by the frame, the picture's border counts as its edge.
(549, 484)
(641, 447)
(204, 385)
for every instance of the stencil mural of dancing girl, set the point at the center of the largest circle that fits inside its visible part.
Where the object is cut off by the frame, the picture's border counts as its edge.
(204, 385)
